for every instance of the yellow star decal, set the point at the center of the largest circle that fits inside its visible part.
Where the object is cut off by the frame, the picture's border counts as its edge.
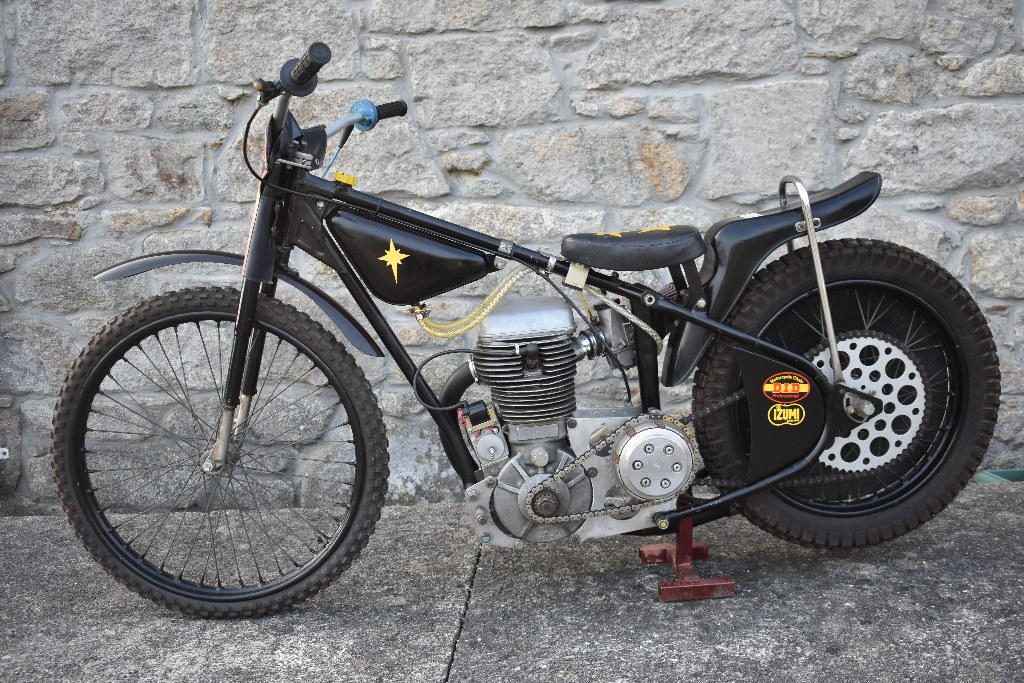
(614, 234)
(393, 257)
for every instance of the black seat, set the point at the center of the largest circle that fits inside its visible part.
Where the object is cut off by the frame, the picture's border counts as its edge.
(831, 206)
(645, 249)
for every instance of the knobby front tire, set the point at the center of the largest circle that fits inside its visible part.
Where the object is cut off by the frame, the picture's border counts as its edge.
(305, 478)
(908, 331)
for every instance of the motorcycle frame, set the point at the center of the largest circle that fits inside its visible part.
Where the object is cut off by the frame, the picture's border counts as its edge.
(293, 208)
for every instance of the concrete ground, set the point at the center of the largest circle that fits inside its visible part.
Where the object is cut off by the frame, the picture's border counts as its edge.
(423, 603)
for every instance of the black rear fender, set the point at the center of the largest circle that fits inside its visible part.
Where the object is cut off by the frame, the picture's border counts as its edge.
(737, 247)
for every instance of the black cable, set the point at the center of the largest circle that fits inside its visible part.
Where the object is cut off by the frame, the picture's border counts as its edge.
(263, 180)
(245, 143)
(345, 135)
(419, 368)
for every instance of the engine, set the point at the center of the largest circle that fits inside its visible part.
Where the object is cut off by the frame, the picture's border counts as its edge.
(531, 365)
(527, 356)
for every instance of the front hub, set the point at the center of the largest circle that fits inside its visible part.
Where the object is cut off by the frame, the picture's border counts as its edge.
(216, 459)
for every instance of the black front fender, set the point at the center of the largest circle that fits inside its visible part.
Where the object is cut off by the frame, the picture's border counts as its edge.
(348, 325)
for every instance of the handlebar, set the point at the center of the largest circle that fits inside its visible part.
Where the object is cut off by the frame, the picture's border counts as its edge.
(391, 109)
(298, 76)
(298, 79)
(364, 115)
(316, 57)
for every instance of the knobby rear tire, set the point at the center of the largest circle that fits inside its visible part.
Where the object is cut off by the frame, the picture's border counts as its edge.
(285, 473)
(900, 293)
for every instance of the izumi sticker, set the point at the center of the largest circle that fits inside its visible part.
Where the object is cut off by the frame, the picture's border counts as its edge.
(782, 414)
(786, 387)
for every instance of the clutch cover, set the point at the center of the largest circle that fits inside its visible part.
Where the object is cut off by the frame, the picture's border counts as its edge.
(655, 460)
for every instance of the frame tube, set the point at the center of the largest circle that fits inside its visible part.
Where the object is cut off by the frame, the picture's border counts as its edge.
(448, 430)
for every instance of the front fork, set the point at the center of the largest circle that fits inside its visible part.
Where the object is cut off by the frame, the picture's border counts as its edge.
(243, 373)
(248, 343)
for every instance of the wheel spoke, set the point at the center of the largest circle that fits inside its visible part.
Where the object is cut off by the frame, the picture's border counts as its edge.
(163, 518)
(248, 539)
(275, 510)
(150, 508)
(173, 396)
(184, 381)
(212, 553)
(815, 328)
(266, 531)
(297, 441)
(266, 376)
(195, 539)
(187, 405)
(163, 429)
(273, 392)
(209, 361)
(265, 470)
(257, 413)
(290, 509)
(252, 425)
(163, 467)
(296, 426)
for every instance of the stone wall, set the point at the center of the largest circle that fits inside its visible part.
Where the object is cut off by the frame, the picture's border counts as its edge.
(120, 126)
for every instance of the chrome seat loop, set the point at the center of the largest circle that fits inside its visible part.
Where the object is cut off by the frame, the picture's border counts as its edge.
(808, 225)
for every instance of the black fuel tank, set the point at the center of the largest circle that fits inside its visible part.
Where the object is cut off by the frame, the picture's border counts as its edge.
(400, 266)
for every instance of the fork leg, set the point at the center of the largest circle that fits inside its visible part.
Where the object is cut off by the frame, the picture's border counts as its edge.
(244, 323)
(251, 373)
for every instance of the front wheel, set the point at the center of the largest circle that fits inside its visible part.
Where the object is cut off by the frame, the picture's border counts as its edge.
(908, 332)
(304, 479)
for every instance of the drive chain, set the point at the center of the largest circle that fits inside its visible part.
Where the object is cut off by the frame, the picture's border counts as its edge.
(789, 483)
(606, 443)
(680, 422)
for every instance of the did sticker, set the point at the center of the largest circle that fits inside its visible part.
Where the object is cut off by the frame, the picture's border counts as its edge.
(782, 414)
(787, 387)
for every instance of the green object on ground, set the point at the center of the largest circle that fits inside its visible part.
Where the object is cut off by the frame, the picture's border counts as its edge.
(989, 476)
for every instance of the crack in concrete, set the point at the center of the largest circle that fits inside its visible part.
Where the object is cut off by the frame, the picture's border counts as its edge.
(462, 617)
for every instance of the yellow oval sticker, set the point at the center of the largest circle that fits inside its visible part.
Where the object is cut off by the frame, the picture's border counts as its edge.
(782, 414)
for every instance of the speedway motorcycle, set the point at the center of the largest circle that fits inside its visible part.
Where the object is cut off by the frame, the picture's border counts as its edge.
(221, 453)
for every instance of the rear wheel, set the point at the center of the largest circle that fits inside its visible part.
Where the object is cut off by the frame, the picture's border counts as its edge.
(908, 332)
(296, 500)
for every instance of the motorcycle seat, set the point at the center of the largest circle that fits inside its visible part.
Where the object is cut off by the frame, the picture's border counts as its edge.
(626, 250)
(831, 206)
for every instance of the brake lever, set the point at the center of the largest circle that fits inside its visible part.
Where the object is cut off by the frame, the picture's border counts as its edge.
(268, 90)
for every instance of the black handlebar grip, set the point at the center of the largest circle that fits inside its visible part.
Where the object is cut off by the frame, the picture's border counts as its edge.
(315, 58)
(391, 109)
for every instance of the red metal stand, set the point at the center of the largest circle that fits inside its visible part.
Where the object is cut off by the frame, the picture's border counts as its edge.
(681, 554)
